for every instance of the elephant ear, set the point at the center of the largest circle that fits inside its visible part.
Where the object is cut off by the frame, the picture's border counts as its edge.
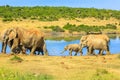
(12, 34)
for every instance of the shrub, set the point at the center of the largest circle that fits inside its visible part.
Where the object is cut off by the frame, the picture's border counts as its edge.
(16, 59)
(7, 19)
(87, 28)
(56, 28)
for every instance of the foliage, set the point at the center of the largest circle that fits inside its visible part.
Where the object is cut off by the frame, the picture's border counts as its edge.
(16, 58)
(46, 13)
(7, 74)
(87, 28)
(56, 29)
(102, 74)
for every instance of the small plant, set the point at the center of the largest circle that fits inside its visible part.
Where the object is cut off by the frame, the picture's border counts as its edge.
(16, 59)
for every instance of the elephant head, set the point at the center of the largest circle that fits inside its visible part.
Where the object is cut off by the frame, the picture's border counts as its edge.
(10, 37)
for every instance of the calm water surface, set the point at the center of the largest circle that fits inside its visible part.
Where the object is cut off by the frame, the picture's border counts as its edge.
(55, 47)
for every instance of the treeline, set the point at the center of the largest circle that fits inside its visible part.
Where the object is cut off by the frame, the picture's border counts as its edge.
(45, 13)
(80, 28)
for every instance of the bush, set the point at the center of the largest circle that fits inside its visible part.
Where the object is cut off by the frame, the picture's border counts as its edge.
(56, 29)
(16, 59)
(87, 28)
(7, 19)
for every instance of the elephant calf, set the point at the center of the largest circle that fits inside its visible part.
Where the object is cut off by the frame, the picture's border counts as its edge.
(73, 47)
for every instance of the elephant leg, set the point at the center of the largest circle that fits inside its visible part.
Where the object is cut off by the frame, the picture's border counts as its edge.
(33, 50)
(107, 51)
(87, 50)
(70, 52)
(90, 50)
(75, 53)
(4, 46)
(45, 50)
(23, 50)
(100, 52)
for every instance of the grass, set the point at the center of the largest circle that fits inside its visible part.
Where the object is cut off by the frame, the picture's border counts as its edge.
(103, 74)
(16, 58)
(118, 56)
(8, 74)
(61, 68)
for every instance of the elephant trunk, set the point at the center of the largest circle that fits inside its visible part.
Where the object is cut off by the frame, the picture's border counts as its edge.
(62, 52)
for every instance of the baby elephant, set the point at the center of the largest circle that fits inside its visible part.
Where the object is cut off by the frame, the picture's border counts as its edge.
(73, 47)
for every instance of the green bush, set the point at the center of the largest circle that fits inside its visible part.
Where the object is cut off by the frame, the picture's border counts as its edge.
(7, 19)
(16, 58)
(56, 29)
(87, 28)
(46, 13)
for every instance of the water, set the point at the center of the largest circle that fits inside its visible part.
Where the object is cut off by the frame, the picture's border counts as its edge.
(55, 47)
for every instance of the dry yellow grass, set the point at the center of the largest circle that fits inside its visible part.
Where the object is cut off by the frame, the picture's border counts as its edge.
(60, 22)
(64, 67)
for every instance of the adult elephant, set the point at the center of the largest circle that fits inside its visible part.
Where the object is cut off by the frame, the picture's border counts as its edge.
(4, 40)
(93, 42)
(40, 49)
(26, 38)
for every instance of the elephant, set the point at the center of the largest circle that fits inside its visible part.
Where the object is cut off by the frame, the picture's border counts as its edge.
(26, 38)
(40, 49)
(95, 43)
(72, 47)
(94, 36)
(4, 40)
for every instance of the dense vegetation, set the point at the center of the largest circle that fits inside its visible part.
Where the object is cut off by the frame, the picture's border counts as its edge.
(80, 28)
(87, 28)
(9, 13)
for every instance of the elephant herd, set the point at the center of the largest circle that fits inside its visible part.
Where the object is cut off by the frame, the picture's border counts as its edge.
(91, 42)
(20, 39)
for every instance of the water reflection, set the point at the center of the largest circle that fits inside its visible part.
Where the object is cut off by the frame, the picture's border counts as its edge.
(55, 47)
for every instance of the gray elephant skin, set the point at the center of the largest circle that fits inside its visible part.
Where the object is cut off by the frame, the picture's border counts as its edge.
(26, 39)
(92, 42)
(73, 47)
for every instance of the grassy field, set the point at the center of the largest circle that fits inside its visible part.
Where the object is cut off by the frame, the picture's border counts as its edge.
(60, 67)
(61, 22)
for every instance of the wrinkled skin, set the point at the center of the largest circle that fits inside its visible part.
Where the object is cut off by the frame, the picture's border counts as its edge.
(27, 39)
(95, 43)
(4, 39)
(73, 47)
(41, 49)
(94, 36)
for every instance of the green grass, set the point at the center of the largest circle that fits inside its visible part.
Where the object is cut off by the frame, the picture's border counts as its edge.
(16, 58)
(7, 74)
(102, 74)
